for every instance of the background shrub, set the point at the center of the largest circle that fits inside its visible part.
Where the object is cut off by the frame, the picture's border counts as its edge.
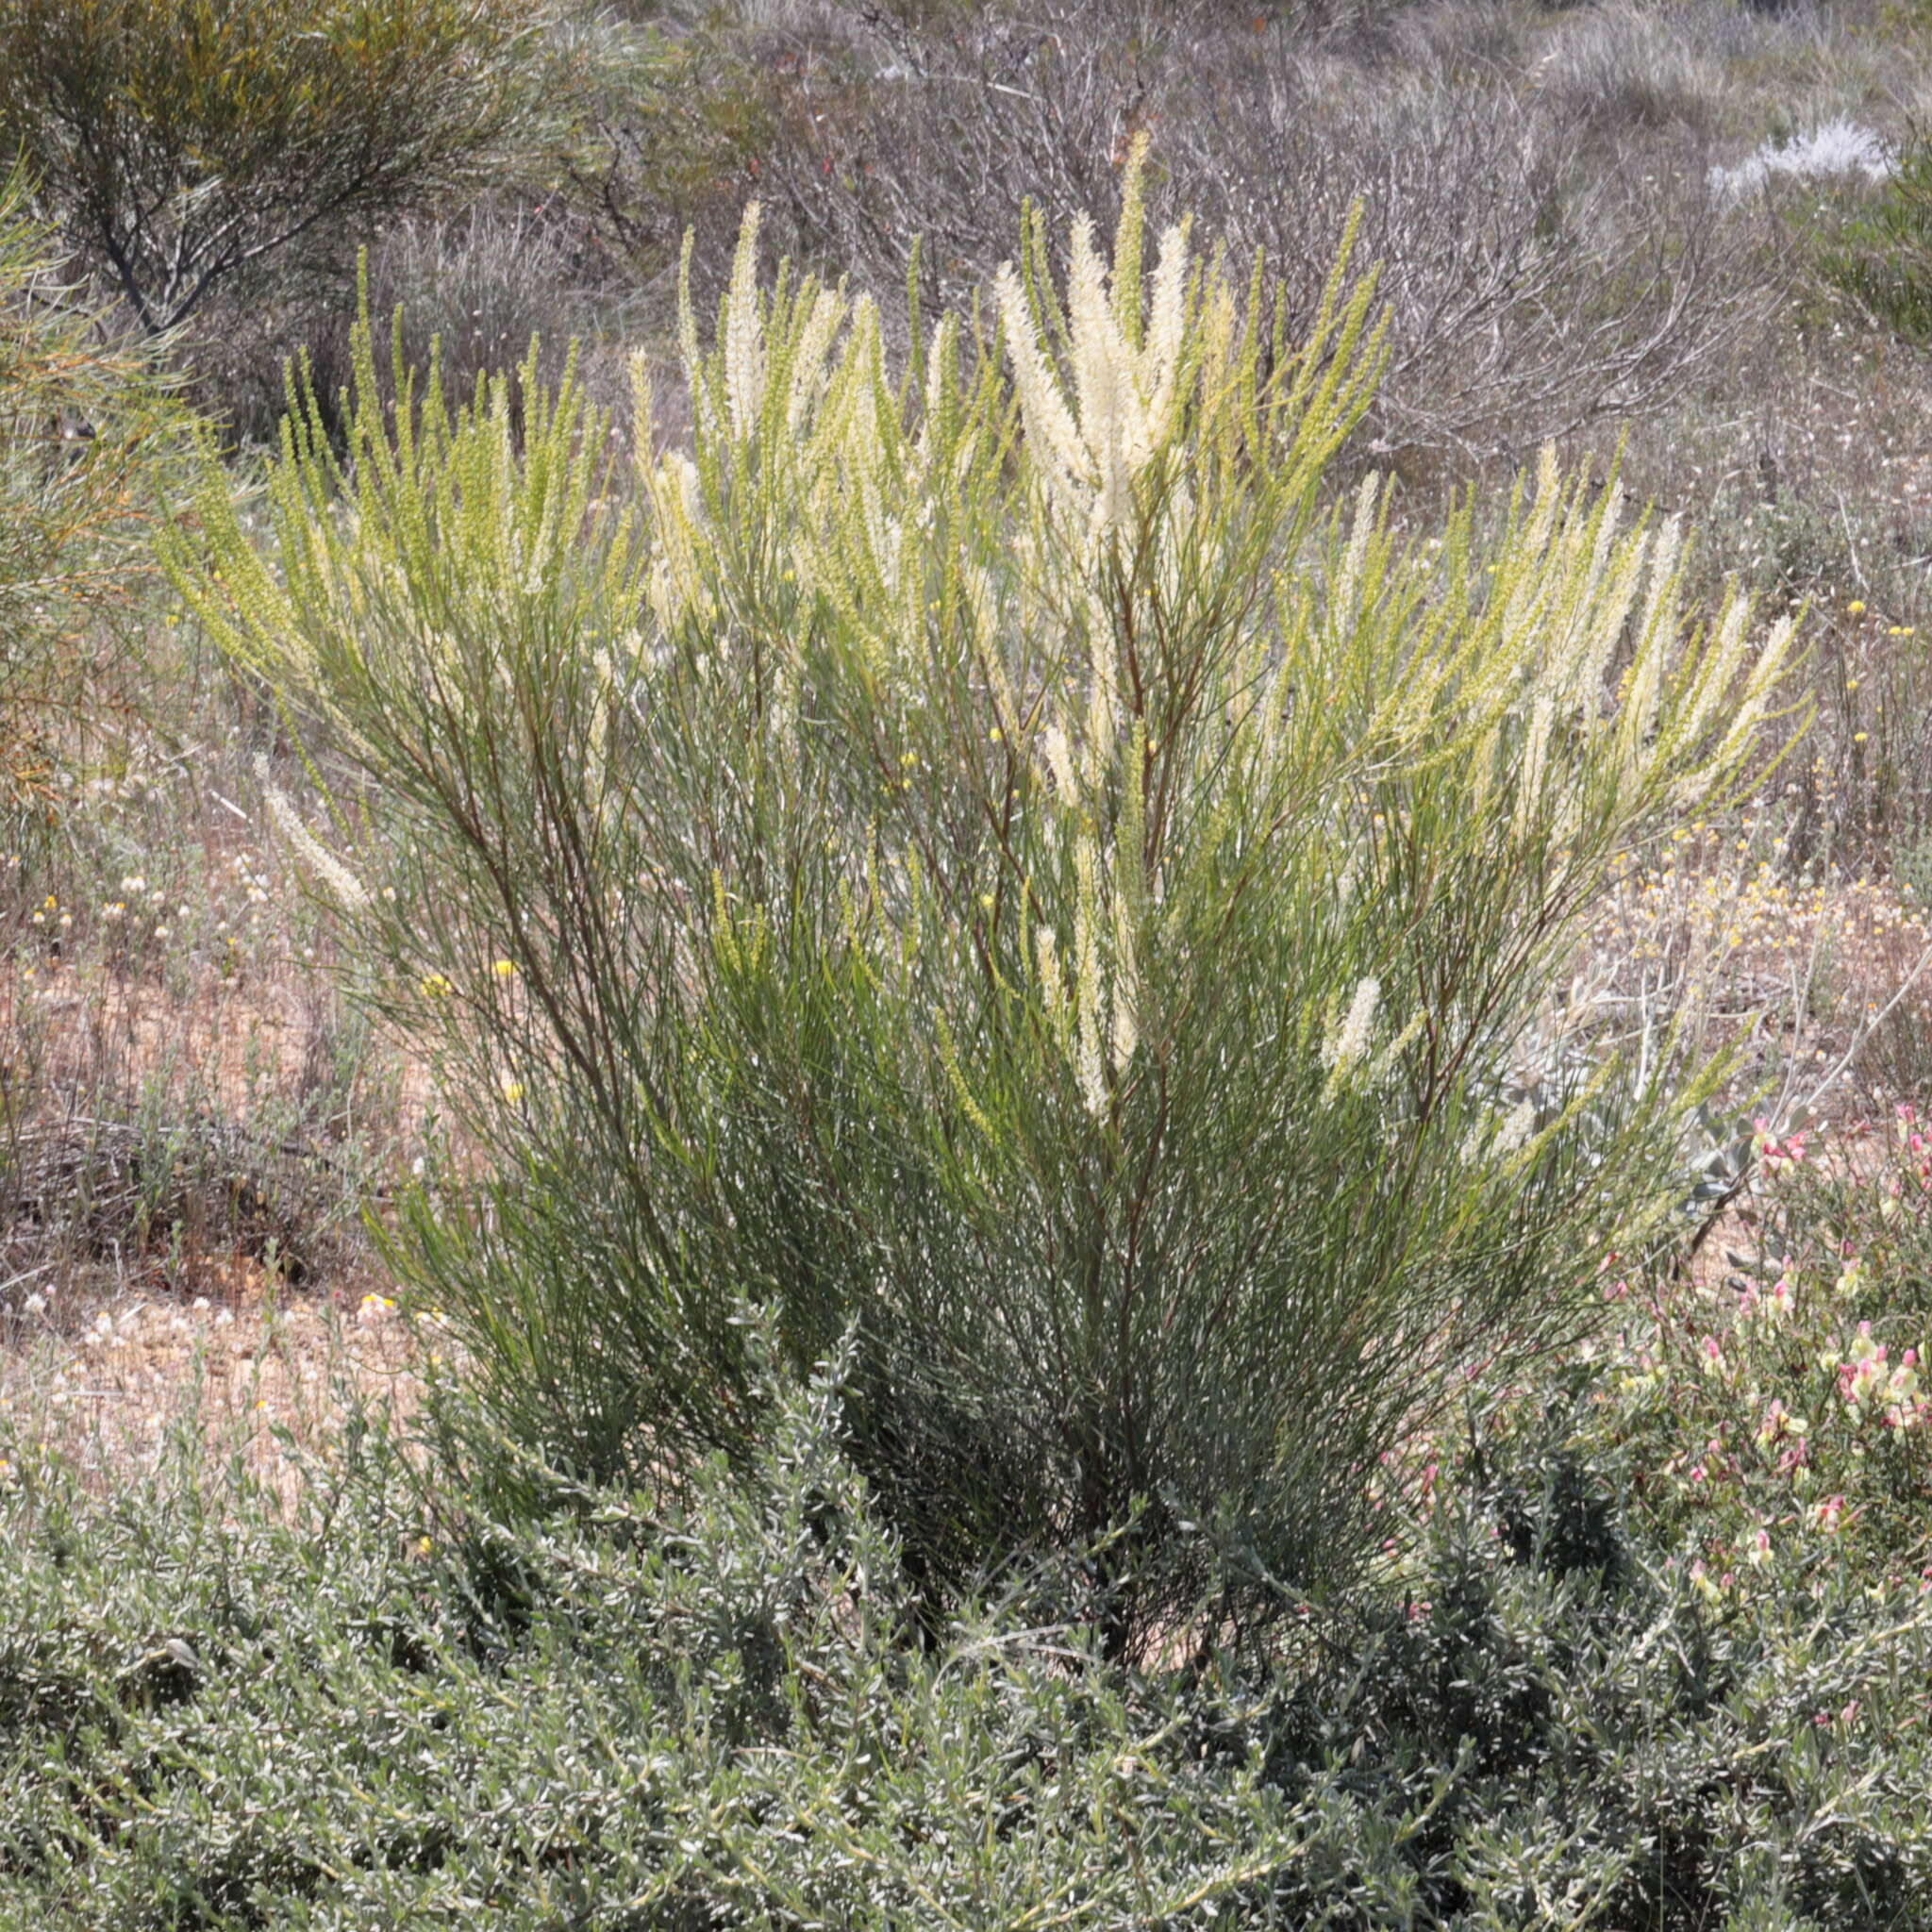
(214, 154)
(476, 290)
(1882, 255)
(84, 422)
(1530, 290)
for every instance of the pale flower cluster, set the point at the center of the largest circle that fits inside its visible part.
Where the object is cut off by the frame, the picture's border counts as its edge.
(347, 889)
(1126, 397)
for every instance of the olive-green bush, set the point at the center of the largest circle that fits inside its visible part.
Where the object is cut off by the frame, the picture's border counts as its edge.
(85, 423)
(180, 146)
(982, 852)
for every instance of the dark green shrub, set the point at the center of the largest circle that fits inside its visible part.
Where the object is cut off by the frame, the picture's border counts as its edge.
(1613, 1742)
(181, 147)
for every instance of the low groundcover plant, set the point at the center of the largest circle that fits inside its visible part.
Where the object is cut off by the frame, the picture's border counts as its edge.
(975, 853)
(375, 1701)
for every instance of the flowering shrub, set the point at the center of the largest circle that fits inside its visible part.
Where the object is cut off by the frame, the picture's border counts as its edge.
(979, 855)
(1833, 147)
(1777, 1410)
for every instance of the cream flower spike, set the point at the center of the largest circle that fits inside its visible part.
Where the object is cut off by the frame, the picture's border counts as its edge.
(745, 343)
(348, 890)
(1123, 399)
(1113, 424)
(1161, 359)
(810, 374)
(1050, 427)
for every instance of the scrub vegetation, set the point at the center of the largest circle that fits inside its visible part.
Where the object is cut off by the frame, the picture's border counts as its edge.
(964, 966)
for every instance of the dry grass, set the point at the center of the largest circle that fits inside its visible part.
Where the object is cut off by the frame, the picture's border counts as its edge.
(265, 1374)
(184, 1256)
(193, 1123)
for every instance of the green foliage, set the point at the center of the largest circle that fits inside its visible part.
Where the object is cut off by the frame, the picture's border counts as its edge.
(987, 857)
(700, 1715)
(82, 423)
(1882, 255)
(181, 145)
(386, 1706)
(1561, 1726)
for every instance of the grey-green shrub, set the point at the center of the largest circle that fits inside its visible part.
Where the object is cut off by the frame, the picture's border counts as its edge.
(371, 1703)
(392, 1710)
(982, 854)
